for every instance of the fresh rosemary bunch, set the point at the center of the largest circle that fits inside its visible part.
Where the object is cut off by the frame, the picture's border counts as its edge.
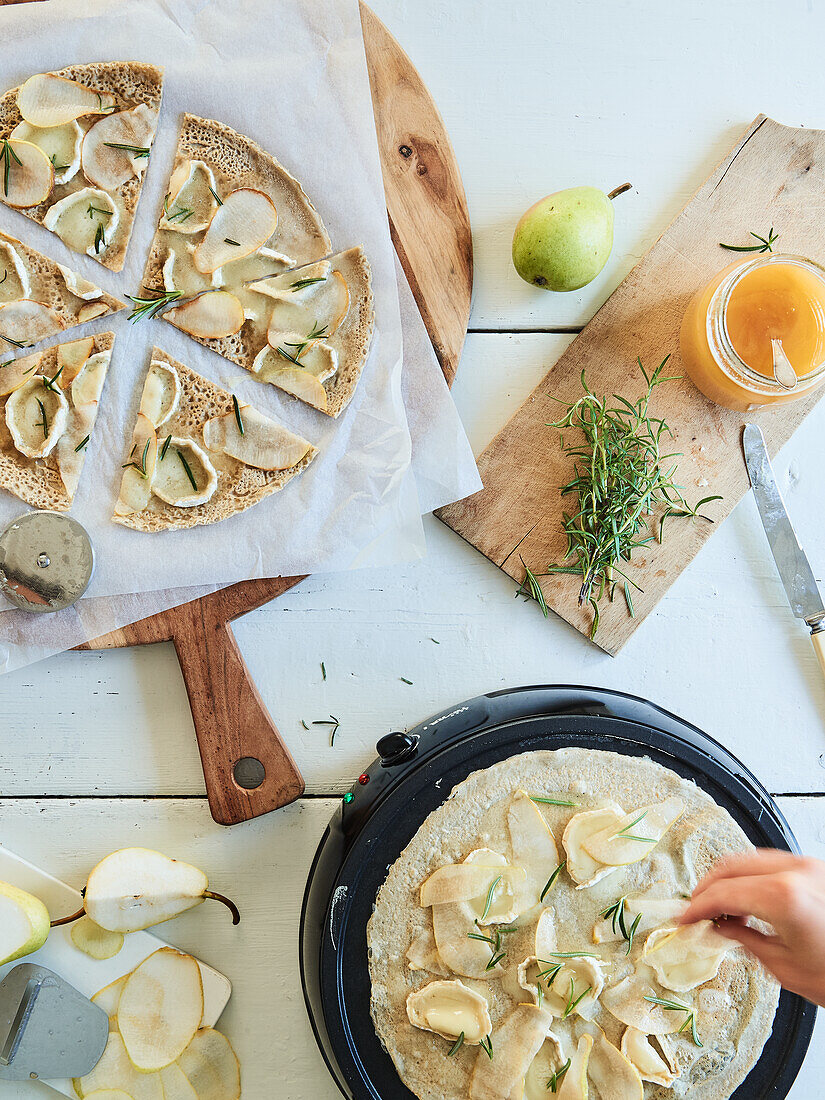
(622, 484)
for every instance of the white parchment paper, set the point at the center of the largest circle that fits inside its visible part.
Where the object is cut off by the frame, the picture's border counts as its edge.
(442, 465)
(292, 76)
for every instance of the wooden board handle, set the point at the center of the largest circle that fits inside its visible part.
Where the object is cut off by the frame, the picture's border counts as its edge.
(247, 768)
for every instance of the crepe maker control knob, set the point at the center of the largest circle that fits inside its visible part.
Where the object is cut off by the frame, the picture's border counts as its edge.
(46, 562)
(395, 748)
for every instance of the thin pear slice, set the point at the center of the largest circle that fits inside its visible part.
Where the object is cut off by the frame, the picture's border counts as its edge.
(422, 954)
(176, 1084)
(115, 1071)
(533, 848)
(160, 1009)
(94, 941)
(301, 384)
(161, 393)
(180, 274)
(36, 416)
(71, 447)
(283, 284)
(14, 280)
(580, 865)
(61, 144)
(574, 1083)
(211, 1066)
(613, 1074)
(71, 358)
(636, 835)
(24, 923)
(50, 100)
(85, 220)
(135, 494)
(686, 956)
(28, 322)
(460, 954)
(464, 882)
(136, 888)
(246, 272)
(190, 204)
(116, 148)
(245, 221)
(652, 1066)
(450, 1009)
(627, 1001)
(16, 372)
(652, 913)
(90, 311)
(313, 357)
(209, 316)
(185, 476)
(87, 385)
(263, 443)
(109, 1094)
(315, 308)
(518, 1040)
(29, 172)
(108, 999)
(77, 285)
(548, 1061)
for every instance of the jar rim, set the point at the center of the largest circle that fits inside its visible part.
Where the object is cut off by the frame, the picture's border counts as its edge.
(717, 323)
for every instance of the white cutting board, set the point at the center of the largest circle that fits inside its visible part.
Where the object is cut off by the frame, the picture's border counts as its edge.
(85, 974)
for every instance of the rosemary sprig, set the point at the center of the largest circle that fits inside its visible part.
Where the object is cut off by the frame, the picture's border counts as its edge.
(489, 903)
(334, 723)
(552, 879)
(301, 345)
(104, 110)
(15, 343)
(165, 447)
(81, 445)
(572, 955)
(540, 799)
(573, 1001)
(404, 680)
(139, 466)
(285, 355)
(140, 152)
(183, 212)
(92, 210)
(44, 421)
(49, 383)
(188, 469)
(530, 588)
(7, 156)
(57, 167)
(632, 933)
(241, 429)
(555, 1079)
(631, 836)
(495, 960)
(229, 240)
(765, 243)
(551, 973)
(100, 238)
(457, 1045)
(615, 913)
(215, 195)
(323, 666)
(299, 284)
(151, 307)
(487, 1046)
(620, 479)
(677, 1006)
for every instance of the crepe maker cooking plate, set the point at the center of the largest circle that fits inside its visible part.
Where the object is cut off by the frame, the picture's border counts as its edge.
(414, 774)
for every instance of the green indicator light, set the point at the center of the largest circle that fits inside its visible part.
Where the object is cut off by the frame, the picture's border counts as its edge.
(348, 797)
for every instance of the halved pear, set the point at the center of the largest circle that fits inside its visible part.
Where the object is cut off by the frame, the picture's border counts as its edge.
(636, 835)
(50, 100)
(533, 847)
(103, 158)
(176, 1084)
(87, 384)
(518, 1040)
(161, 393)
(108, 999)
(36, 416)
(185, 476)
(135, 494)
(450, 1009)
(190, 204)
(264, 444)
(77, 285)
(652, 1066)
(209, 316)
(245, 221)
(136, 888)
(28, 322)
(91, 311)
(211, 1066)
(613, 1074)
(115, 1071)
(30, 174)
(14, 280)
(24, 923)
(61, 144)
(94, 941)
(686, 956)
(71, 358)
(85, 220)
(16, 372)
(160, 1009)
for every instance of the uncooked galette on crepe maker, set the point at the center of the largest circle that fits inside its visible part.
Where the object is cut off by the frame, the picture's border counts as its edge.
(493, 912)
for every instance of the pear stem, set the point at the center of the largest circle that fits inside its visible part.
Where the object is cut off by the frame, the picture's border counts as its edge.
(230, 905)
(68, 920)
(619, 190)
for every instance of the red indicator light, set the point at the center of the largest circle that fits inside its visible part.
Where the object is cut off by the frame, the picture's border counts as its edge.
(363, 779)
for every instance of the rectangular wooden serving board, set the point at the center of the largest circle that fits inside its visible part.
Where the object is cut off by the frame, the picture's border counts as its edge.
(774, 176)
(89, 975)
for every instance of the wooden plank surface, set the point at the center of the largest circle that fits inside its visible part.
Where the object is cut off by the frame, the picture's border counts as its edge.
(774, 175)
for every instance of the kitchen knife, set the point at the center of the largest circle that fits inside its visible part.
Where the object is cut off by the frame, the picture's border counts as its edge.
(792, 564)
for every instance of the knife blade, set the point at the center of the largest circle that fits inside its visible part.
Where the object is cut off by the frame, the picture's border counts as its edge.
(791, 561)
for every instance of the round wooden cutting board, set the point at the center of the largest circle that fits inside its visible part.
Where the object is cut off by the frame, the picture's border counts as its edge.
(247, 768)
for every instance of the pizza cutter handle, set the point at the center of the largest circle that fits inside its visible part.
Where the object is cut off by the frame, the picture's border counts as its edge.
(247, 768)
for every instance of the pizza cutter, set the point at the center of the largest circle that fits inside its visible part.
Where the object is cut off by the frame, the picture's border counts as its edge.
(46, 562)
(47, 1029)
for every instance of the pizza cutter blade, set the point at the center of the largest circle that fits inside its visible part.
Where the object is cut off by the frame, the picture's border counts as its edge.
(47, 1029)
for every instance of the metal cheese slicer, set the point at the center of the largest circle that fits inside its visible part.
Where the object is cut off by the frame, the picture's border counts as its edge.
(47, 1029)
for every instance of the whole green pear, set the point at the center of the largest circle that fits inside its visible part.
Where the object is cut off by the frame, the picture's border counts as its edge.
(564, 240)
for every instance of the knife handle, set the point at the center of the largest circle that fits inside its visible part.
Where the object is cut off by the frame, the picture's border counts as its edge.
(818, 641)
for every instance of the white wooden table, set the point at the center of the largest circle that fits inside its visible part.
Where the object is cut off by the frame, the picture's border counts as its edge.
(98, 750)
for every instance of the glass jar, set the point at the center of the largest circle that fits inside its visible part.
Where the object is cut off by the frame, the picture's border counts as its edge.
(727, 330)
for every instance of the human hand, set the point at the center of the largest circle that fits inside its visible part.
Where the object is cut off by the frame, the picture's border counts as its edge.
(786, 891)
